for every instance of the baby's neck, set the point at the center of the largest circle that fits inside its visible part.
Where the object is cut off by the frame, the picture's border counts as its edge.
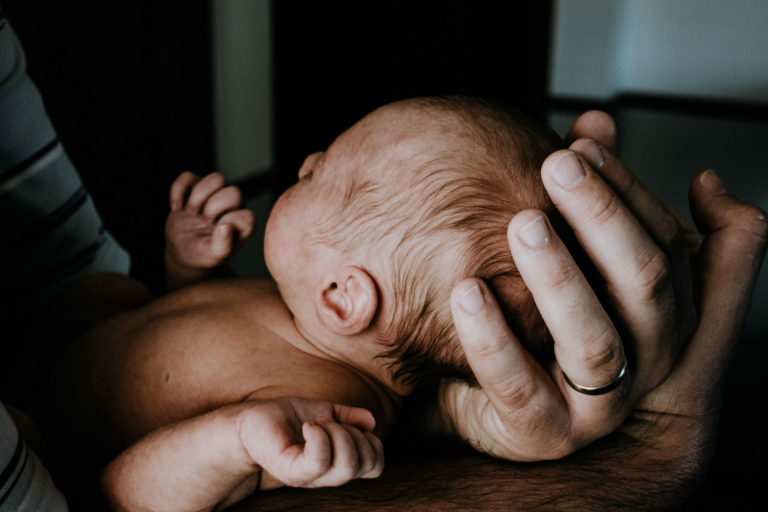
(359, 353)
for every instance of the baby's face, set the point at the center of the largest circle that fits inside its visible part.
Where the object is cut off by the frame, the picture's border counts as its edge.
(371, 150)
(289, 247)
(294, 257)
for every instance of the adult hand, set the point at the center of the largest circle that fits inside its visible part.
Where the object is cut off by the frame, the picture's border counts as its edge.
(525, 412)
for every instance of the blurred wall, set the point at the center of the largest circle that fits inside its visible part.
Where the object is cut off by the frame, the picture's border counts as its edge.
(696, 48)
(691, 51)
(242, 93)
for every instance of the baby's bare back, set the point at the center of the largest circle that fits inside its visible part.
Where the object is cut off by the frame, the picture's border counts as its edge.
(192, 351)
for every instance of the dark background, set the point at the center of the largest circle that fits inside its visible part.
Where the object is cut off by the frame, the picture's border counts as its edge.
(128, 84)
(128, 87)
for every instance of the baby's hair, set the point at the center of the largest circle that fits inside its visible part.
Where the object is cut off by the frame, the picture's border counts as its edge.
(441, 217)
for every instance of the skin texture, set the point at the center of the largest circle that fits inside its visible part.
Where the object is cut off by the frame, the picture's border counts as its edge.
(257, 445)
(667, 423)
(665, 420)
(206, 225)
(199, 389)
(672, 415)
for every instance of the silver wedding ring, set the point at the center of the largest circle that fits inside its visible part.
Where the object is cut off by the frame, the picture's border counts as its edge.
(601, 390)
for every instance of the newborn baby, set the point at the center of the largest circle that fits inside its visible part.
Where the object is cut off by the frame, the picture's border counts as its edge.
(364, 251)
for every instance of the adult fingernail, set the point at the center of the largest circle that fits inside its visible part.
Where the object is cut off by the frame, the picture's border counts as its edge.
(712, 183)
(535, 234)
(593, 152)
(472, 300)
(568, 171)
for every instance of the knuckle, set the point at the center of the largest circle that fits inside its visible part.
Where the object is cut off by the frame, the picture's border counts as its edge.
(562, 277)
(627, 185)
(516, 392)
(485, 347)
(604, 209)
(602, 350)
(653, 275)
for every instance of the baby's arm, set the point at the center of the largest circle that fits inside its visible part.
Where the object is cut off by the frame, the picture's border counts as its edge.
(204, 227)
(215, 460)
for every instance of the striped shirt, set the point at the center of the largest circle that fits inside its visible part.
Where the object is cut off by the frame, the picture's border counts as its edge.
(25, 485)
(50, 233)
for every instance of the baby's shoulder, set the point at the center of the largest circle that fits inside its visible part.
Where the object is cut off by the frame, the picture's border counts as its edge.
(265, 352)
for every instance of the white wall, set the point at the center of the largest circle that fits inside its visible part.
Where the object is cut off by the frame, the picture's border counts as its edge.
(697, 48)
(242, 86)
(715, 49)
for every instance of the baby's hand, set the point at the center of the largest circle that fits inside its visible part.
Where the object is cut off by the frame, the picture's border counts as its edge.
(310, 443)
(205, 226)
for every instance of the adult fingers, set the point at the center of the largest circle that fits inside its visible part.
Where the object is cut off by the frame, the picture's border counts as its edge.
(203, 190)
(652, 213)
(180, 188)
(662, 224)
(222, 200)
(593, 135)
(594, 124)
(521, 393)
(736, 235)
(588, 348)
(636, 271)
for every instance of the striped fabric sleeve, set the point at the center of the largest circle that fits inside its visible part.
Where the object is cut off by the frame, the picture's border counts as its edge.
(49, 226)
(25, 485)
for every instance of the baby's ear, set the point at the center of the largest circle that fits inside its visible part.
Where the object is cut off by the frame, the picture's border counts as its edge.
(348, 301)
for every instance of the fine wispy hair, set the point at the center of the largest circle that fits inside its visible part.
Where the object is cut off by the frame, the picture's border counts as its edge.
(433, 199)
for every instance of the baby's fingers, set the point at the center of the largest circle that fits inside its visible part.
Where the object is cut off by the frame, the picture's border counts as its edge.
(202, 191)
(222, 201)
(370, 461)
(378, 454)
(221, 242)
(352, 456)
(354, 416)
(242, 220)
(318, 451)
(299, 464)
(180, 189)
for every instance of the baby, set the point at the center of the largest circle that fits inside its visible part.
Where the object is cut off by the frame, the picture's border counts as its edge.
(364, 251)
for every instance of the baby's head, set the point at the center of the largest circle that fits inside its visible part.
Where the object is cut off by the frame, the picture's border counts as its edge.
(413, 198)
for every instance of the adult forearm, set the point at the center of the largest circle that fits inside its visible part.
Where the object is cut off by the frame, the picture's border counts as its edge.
(653, 472)
(620, 472)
